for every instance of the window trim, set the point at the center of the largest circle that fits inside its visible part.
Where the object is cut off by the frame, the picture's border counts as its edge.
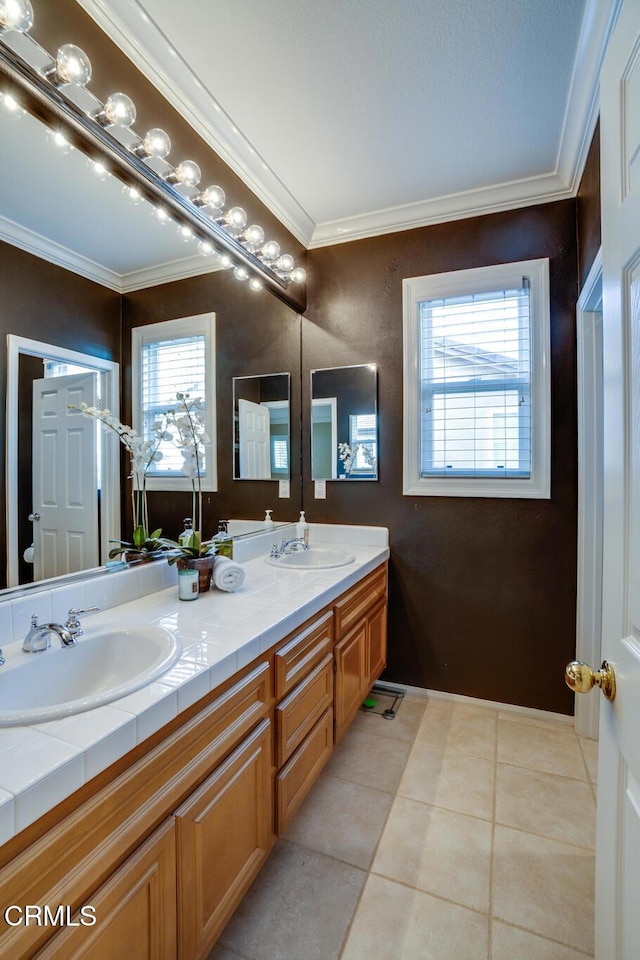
(459, 283)
(200, 324)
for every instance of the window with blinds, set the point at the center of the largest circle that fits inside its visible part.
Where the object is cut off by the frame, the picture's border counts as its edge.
(477, 391)
(475, 385)
(171, 357)
(169, 367)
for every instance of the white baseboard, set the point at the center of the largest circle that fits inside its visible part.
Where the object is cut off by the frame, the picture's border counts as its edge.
(531, 712)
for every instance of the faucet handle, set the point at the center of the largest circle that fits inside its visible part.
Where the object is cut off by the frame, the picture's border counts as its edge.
(1, 658)
(73, 623)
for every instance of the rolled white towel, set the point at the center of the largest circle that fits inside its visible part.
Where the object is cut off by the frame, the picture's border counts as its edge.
(227, 574)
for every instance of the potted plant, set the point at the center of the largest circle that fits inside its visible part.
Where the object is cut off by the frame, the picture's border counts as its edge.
(144, 545)
(187, 428)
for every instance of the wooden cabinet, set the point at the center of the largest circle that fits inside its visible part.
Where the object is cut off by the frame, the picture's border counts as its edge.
(166, 842)
(135, 915)
(224, 835)
(361, 647)
(351, 659)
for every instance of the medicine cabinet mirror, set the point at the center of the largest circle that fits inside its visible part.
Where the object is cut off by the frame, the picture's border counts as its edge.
(344, 423)
(261, 427)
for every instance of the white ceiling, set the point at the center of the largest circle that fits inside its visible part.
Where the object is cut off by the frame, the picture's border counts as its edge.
(356, 117)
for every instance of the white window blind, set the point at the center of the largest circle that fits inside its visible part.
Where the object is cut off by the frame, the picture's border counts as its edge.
(170, 357)
(475, 385)
(169, 367)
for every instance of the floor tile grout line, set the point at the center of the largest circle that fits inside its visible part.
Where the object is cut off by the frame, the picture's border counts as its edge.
(541, 936)
(550, 773)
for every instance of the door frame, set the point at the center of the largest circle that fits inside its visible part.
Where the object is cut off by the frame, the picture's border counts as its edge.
(110, 499)
(590, 488)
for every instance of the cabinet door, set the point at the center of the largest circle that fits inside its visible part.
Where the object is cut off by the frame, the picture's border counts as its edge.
(377, 644)
(224, 835)
(135, 910)
(350, 654)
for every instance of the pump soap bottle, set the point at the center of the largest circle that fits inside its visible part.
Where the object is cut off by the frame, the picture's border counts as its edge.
(302, 529)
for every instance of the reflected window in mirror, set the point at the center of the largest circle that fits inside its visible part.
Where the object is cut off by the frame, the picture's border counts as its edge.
(344, 423)
(169, 358)
(262, 429)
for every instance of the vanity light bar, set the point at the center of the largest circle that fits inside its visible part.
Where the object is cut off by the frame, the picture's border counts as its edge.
(48, 100)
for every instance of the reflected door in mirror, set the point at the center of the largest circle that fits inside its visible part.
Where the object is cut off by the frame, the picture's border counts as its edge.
(261, 427)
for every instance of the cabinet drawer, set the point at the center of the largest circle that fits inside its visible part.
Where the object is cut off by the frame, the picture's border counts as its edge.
(224, 835)
(354, 604)
(299, 655)
(134, 910)
(296, 779)
(301, 710)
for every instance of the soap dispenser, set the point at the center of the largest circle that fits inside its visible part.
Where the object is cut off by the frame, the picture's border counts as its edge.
(302, 529)
(268, 522)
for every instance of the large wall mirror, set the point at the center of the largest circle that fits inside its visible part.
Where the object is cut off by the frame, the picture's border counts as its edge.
(344, 423)
(262, 428)
(77, 258)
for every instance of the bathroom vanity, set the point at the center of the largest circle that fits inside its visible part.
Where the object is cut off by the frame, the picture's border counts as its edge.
(164, 842)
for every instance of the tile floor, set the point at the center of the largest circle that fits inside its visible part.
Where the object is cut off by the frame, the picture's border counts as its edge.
(452, 832)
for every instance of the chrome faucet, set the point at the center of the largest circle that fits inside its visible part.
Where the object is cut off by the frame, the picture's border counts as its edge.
(38, 638)
(288, 546)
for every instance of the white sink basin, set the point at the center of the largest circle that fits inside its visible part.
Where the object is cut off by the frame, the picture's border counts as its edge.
(102, 667)
(315, 558)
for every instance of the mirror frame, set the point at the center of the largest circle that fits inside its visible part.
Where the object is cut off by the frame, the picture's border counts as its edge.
(110, 499)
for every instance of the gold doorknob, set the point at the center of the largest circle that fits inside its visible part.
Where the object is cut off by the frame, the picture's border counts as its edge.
(581, 678)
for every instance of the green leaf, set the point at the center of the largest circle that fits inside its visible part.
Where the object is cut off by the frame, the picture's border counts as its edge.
(139, 536)
(156, 534)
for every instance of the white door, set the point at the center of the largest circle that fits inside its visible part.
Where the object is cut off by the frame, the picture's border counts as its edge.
(65, 476)
(254, 440)
(618, 832)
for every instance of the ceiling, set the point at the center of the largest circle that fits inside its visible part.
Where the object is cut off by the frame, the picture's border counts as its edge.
(351, 118)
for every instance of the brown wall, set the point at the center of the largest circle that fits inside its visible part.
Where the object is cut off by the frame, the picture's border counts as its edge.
(482, 592)
(44, 302)
(255, 334)
(588, 218)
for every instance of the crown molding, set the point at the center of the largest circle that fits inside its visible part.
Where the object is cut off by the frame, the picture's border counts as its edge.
(200, 107)
(39, 246)
(166, 273)
(458, 206)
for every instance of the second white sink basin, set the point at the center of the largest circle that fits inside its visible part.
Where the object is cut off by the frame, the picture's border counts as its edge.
(102, 667)
(315, 558)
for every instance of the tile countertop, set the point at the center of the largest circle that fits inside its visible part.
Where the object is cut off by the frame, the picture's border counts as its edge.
(221, 633)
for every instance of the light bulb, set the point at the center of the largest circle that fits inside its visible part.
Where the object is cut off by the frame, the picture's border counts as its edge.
(235, 220)
(16, 15)
(270, 251)
(99, 169)
(10, 106)
(206, 248)
(161, 214)
(255, 284)
(214, 198)
(254, 237)
(299, 275)
(186, 233)
(121, 109)
(73, 65)
(156, 143)
(188, 173)
(226, 262)
(133, 195)
(241, 273)
(58, 141)
(285, 263)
